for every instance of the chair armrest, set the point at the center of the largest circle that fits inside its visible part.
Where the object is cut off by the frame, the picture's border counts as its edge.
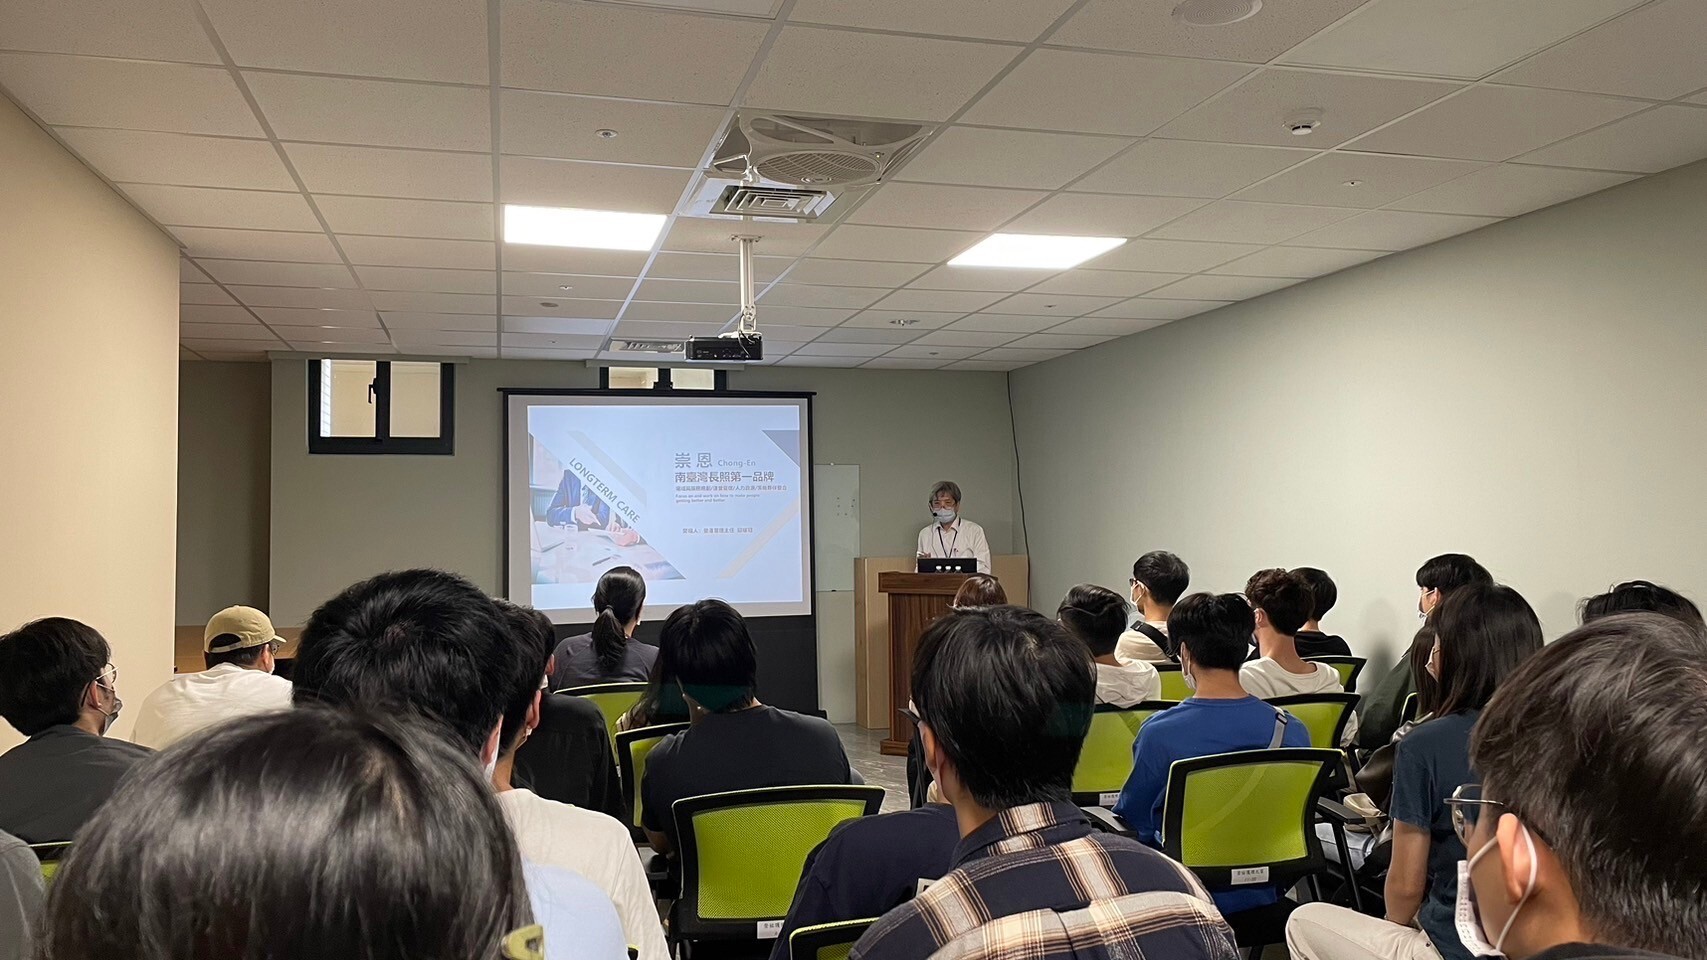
(1107, 822)
(1334, 810)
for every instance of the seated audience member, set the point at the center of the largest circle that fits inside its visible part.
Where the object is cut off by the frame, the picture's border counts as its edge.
(979, 590)
(736, 742)
(58, 687)
(1310, 639)
(556, 834)
(661, 703)
(1635, 596)
(429, 644)
(238, 647)
(568, 757)
(1379, 711)
(20, 898)
(304, 833)
(1589, 834)
(1281, 603)
(1158, 579)
(1097, 616)
(1003, 699)
(1484, 633)
(609, 654)
(1212, 633)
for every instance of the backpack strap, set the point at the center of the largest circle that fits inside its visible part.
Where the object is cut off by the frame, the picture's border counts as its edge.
(1281, 720)
(1157, 637)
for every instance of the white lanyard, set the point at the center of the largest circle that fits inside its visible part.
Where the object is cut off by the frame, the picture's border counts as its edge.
(949, 549)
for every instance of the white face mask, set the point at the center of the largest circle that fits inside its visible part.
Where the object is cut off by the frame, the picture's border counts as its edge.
(943, 514)
(1186, 675)
(1468, 919)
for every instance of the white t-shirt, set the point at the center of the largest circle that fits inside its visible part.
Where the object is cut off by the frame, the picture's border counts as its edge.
(1128, 684)
(596, 847)
(962, 538)
(193, 701)
(1266, 679)
(1135, 646)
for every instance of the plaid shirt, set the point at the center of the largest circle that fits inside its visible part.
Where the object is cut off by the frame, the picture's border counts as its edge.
(1046, 857)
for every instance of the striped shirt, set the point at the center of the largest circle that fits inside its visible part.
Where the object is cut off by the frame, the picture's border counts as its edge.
(1045, 857)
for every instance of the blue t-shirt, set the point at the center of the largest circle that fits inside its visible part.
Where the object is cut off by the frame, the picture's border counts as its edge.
(1430, 762)
(1198, 728)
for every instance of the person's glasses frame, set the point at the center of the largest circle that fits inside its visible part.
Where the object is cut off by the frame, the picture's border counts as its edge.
(1467, 804)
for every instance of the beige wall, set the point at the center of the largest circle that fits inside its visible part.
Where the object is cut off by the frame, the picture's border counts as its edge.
(1531, 393)
(224, 454)
(88, 407)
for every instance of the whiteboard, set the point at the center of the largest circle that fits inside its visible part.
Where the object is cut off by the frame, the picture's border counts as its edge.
(835, 505)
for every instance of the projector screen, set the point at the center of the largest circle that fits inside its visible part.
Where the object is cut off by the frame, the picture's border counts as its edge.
(706, 496)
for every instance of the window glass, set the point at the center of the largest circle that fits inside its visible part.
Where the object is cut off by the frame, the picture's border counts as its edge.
(347, 399)
(414, 399)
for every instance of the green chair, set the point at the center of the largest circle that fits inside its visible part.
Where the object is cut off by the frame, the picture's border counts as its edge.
(612, 699)
(632, 749)
(1348, 667)
(1325, 715)
(827, 941)
(50, 855)
(742, 854)
(1247, 819)
(1173, 682)
(1105, 762)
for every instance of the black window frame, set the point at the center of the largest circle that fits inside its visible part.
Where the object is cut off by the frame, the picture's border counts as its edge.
(382, 442)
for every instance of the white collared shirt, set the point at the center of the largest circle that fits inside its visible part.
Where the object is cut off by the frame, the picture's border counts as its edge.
(192, 701)
(962, 538)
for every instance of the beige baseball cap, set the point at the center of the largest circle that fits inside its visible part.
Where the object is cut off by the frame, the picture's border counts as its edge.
(251, 627)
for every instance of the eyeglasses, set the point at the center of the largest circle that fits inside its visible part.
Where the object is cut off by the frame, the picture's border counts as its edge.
(528, 943)
(912, 713)
(1467, 804)
(274, 646)
(108, 676)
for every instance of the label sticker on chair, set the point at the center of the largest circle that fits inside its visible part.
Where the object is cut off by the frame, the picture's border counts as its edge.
(1107, 799)
(1240, 875)
(771, 929)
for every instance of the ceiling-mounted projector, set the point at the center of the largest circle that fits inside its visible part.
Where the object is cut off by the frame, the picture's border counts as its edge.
(736, 347)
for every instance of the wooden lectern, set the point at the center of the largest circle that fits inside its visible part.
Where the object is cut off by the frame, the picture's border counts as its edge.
(915, 599)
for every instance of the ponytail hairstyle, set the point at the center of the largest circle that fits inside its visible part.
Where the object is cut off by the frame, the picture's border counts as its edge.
(1096, 615)
(620, 595)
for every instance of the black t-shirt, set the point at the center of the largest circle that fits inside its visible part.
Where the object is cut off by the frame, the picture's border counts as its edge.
(760, 747)
(56, 780)
(1314, 643)
(575, 663)
(569, 757)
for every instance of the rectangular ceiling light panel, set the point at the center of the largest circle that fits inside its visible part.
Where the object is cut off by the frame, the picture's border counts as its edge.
(1032, 251)
(573, 227)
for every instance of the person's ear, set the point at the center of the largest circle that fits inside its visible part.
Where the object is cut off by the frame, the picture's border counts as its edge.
(1261, 618)
(92, 696)
(489, 750)
(1516, 857)
(533, 710)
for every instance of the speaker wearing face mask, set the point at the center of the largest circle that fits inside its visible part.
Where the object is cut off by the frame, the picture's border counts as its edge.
(950, 535)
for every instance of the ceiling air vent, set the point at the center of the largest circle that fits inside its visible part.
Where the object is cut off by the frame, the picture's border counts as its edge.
(759, 200)
(816, 152)
(648, 346)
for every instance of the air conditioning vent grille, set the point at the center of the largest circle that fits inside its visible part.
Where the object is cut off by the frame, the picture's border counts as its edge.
(808, 168)
(747, 200)
(648, 346)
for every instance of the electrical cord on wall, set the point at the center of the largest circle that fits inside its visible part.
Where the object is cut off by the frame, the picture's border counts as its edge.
(1019, 482)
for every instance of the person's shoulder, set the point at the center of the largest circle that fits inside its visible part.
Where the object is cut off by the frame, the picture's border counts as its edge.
(1442, 735)
(563, 899)
(124, 750)
(564, 709)
(866, 832)
(565, 819)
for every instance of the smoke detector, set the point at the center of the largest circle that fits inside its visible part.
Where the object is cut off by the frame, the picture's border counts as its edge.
(1304, 122)
(1216, 13)
(816, 152)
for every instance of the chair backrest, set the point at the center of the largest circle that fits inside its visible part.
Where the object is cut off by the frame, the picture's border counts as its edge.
(612, 699)
(1106, 759)
(632, 749)
(827, 941)
(1247, 818)
(50, 854)
(742, 854)
(1323, 714)
(1348, 667)
(1173, 682)
(1408, 712)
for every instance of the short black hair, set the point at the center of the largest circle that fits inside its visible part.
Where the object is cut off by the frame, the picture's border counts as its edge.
(1449, 571)
(1216, 628)
(45, 665)
(534, 637)
(1633, 596)
(381, 842)
(1283, 596)
(707, 648)
(1485, 632)
(1595, 745)
(1163, 574)
(1323, 593)
(420, 640)
(1008, 695)
(242, 656)
(1096, 615)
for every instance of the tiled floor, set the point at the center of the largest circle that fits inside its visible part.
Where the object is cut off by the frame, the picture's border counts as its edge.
(890, 773)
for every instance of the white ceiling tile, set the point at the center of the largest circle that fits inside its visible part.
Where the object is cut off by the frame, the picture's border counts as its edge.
(1187, 168)
(646, 330)
(188, 272)
(1142, 309)
(1004, 323)
(446, 219)
(213, 207)
(618, 51)
(1059, 341)
(1008, 158)
(803, 316)
(1356, 180)
(256, 245)
(704, 235)
(203, 293)
(657, 312)
(388, 172)
(137, 29)
(232, 356)
(1047, 92)
(554, 341)
(808, 295)
(988, 366)
(1660, 139)
(1390, 230)
(854, 273)
(419, 339)
(819, 348)
(410, 301)
(1256, 111)
(580, 327)
(268, 274)
(889, 335)
(315, 297)
(901, 363)
(934, 351)
(1101, 215)
(1300, 263)
(309, 339)
(240, 349)
(311, 317)
(440, 321)
(800, 360)
(966, 338)
(1104, 283)
(1219, 288)
(1235, 220)
(130, 94)
(869, 74)
(429, 280)
(859, 242)
(414, 252)
(139, 156)
(727, 293)
(378, 113)
(721, 266)
(563, 307)
(532, 353)
(1022, 355)
(595, 263)
(1106, 326)
(1052, 304)
(447, 350)
(225, 331)
(983, 19)
(937, 301)
(938, 205)
(1170, 256)
(1151, 28)
(979, 278)
(913, 320)
(410, 39)
(1495, 123)
(1652, 52)
(564, 126)
(1449, 38)
(207, 313)
(1510, 189)
(547, 286)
